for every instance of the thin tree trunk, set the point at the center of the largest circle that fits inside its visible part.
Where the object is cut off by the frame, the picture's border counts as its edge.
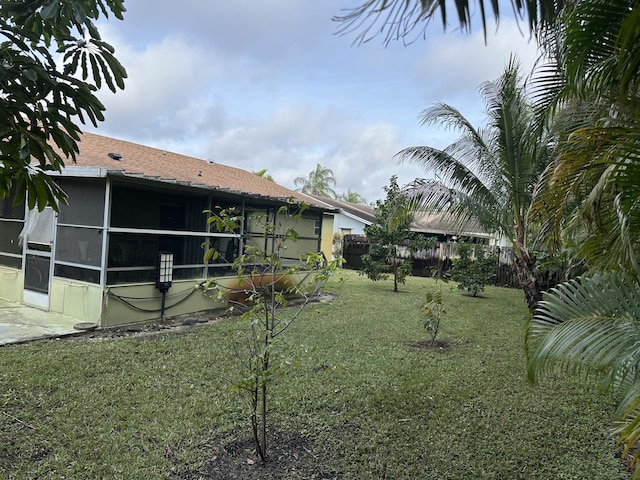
(395, 275)
(524, 265)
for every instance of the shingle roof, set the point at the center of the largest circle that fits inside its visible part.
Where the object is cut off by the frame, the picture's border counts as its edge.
(434, 222)
(364, 212)
(136, 160)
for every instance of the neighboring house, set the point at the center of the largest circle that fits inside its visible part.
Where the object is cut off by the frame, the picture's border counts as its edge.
(97, 260)
(350, 218)
(447, 229)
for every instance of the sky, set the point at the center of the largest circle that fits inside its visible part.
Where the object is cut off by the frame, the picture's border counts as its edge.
(273, 85)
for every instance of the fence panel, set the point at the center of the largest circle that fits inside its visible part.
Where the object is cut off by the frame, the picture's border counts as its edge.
(438, 259)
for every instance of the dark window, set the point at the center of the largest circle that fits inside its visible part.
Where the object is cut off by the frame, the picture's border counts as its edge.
(150, 209)
(79, 245)
(36, 275)
(130, 250)
(11, 262)
(9, 210)
(86, 202)
(132, 276)
(9, 232)
(77, 273)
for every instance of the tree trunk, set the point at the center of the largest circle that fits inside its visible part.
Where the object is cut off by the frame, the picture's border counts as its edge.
(524, 265)
(525, 270)
(395, 275)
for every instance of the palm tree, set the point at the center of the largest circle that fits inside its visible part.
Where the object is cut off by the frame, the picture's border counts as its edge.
(318, 182)
(353, 197)
(596, 175)
(591, 325)
(591, 193)
(263, 173)
(490, 172)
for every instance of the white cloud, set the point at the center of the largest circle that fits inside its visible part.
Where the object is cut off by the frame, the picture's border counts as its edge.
(258, 84)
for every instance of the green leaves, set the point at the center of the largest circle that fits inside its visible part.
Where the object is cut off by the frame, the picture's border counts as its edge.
(44, 99)
(263, 288)
(473, 274)
(391, 230)
(592, 325)
(432, 311)
(319, 182)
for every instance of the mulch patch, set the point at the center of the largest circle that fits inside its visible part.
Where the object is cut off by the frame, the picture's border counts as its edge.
(290, 456)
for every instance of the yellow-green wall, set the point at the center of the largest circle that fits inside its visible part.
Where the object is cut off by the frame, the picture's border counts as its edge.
(12, 282)
(181, 299)
(327, 235)
(76, 299)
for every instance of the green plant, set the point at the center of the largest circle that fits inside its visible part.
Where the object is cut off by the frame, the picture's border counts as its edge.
(488, 174)
(265, 286)
(592, 325)
(433, 311)
(53, 63)
(473, 275)
(390, 232)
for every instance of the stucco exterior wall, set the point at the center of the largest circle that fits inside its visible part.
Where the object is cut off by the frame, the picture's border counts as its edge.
(76, 299)
(138, 303)
(11, 281)
(343, 222)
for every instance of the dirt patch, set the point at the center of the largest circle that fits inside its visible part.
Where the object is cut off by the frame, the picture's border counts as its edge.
(151, 328)
(291, 456)
(175, 324)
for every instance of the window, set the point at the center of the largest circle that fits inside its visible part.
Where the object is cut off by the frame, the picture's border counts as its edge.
(152, 209)
(79, 245)
(86, 202)
(38, 229)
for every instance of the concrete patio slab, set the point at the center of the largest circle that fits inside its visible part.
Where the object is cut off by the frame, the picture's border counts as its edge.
(20, 323)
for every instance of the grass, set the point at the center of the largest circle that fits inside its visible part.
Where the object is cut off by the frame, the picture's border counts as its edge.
(374, 404)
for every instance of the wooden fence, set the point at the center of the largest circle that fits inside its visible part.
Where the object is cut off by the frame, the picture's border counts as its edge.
(438, 259)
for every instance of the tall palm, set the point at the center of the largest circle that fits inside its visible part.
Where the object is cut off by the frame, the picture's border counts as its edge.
(353, 197)
(593, 323)
(319, 182)
(490, 172)
(596, 62)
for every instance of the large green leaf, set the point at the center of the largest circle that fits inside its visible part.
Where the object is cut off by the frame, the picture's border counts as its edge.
(592, 326)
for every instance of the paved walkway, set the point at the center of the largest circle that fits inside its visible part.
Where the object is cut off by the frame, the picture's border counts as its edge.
(19, 323)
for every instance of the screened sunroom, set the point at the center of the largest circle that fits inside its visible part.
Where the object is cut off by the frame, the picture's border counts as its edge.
(97, 259)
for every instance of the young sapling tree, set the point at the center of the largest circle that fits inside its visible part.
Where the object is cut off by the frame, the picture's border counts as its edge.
(392, 230)
(264, 285)
(432, 312)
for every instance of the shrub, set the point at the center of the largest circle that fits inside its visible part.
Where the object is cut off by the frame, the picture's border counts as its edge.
(473, 275)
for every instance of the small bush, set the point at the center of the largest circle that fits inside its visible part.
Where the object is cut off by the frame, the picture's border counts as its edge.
(432, 312)
(473, 275)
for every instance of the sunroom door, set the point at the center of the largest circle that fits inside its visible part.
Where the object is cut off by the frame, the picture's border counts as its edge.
(37, 237)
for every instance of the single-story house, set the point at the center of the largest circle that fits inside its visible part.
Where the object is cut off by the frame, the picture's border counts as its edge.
(97, 259)
(350, 218)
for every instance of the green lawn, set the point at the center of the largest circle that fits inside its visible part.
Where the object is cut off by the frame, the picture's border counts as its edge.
(372, 403)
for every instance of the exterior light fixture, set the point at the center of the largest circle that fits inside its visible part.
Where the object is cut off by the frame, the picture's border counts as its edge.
(165, 276)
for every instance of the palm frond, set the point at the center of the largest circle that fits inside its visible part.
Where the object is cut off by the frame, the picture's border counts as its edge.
(407, 20)
(587, 323)
(592, 325)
